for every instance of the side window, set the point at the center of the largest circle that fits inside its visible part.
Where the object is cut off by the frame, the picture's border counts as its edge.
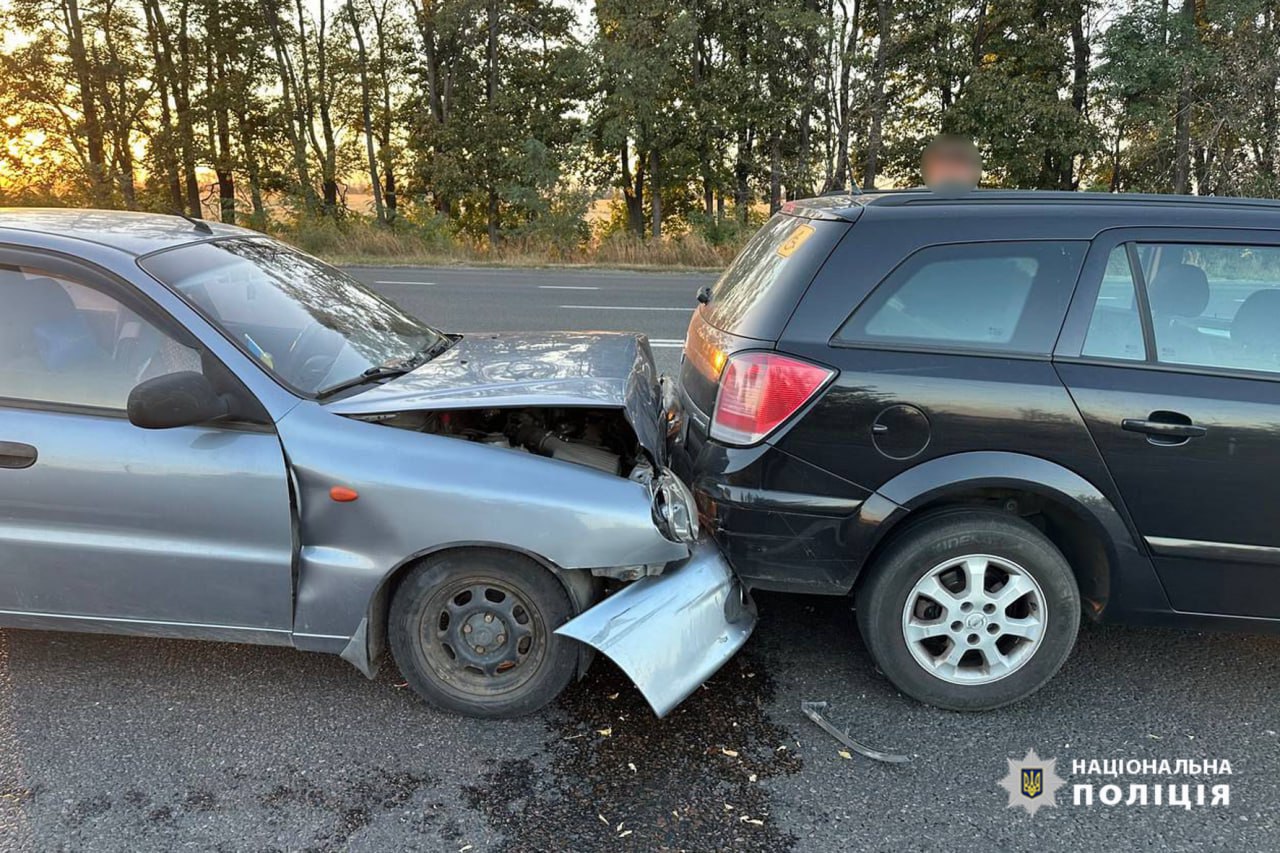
(1214, 305)
(1006, 297)
(63, 342)
(1115, 329)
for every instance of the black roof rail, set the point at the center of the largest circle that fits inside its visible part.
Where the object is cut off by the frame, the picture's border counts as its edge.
(894, 198)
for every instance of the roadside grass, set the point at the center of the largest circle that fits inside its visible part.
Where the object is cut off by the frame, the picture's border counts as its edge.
(360, 242)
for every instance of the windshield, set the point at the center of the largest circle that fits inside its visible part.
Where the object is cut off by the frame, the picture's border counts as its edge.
(311, 325)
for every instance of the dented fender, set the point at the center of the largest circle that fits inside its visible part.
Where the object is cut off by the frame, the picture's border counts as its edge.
(421, 494)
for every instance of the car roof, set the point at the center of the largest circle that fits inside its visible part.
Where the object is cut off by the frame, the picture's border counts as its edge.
(130, 232)
(1133, 208)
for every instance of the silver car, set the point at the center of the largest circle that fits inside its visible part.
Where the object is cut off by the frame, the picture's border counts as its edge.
(207, 434)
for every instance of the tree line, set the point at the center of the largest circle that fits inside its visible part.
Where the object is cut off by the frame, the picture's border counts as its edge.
(504, 118)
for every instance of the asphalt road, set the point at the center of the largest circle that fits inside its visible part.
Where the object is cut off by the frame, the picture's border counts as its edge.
(464, 299)
(136, 744)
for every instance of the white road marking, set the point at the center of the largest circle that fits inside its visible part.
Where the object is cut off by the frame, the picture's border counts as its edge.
(423, 283)
(625, 308)
(564, 287)
(665, 342)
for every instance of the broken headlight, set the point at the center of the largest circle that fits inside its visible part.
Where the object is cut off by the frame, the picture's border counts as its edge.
(674, 509)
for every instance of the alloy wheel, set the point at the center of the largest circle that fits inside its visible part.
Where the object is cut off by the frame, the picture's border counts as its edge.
(974, 619)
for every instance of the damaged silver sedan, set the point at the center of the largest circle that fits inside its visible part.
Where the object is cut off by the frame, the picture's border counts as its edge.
(207, 434)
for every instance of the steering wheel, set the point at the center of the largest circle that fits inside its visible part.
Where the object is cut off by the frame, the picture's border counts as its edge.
(313, 370)
(297, 361)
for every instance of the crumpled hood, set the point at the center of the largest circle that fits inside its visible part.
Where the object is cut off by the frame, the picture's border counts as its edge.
(513, 369)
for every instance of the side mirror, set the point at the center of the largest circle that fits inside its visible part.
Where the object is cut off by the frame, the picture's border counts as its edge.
(175, 400)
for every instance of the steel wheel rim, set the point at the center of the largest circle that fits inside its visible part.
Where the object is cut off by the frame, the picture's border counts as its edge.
(482, 636)
(974, 619)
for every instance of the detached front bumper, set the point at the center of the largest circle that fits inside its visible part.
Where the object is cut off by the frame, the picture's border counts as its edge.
(671, 632)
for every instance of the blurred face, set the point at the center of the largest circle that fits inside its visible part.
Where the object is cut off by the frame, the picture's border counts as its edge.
(951, 167)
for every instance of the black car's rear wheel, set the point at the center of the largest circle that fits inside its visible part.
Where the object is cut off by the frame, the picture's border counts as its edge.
(472, 632)
(970, 610)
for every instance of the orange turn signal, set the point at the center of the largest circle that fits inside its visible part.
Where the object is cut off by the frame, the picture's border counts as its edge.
(342, 494)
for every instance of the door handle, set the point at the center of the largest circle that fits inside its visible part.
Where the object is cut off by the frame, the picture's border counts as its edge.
(1164, 428)
(14, 454)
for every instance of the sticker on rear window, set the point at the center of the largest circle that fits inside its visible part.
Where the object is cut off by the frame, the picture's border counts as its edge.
(795, 241)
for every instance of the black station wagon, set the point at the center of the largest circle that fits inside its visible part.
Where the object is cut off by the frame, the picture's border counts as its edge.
(983, 415)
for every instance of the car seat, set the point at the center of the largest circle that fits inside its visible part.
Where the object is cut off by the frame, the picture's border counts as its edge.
(1178, 293)
(1255, 331)
(42, 326)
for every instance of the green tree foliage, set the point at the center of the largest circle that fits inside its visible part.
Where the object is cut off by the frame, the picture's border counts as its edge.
(494, 124)
(504, 120)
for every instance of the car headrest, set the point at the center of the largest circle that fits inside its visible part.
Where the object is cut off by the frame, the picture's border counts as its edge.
(1181, 290)
(38, 300)
(28, 303)
(1257, 322)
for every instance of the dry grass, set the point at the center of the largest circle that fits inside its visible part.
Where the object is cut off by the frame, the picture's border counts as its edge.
(360, 242)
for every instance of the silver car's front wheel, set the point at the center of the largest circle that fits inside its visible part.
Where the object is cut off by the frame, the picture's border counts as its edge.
(969, 609)
(473, 632)
(974, 619)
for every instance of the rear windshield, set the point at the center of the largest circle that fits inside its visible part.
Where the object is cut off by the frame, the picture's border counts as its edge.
(758, 292)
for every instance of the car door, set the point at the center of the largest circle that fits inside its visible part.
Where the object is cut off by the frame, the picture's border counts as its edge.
(949, 353)
(1172, 354)
(103, 524)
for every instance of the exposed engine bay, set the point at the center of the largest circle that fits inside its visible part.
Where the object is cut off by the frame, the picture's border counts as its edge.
(595, 438)
(600, 439)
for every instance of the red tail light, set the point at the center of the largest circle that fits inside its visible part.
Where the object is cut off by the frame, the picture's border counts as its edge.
(760, 390)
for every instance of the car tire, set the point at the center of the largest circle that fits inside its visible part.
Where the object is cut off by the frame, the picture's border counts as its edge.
(943, 641)
(473, 633)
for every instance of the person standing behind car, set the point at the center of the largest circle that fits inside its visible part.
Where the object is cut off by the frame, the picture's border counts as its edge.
(951, 164)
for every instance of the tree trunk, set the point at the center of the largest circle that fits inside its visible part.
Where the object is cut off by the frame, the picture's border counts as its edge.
(491, 95)
(633, 191)
(220, 131)
(387, 118)
(840, 175)
(871, 166)
(704, 143)
(427, 30)
(775, 172)
(741, 173)
(329, 153)
(248, 144)
(492, 215)
(1080, 54)
(366, 115)
(95, 145)
(293, 108)
(1116, 162)
(800, 183)
(655, 192)
(119, 111)
(1182, 119)
(313, 104)
(182, 106)
(162, 141)
(1270, 133)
